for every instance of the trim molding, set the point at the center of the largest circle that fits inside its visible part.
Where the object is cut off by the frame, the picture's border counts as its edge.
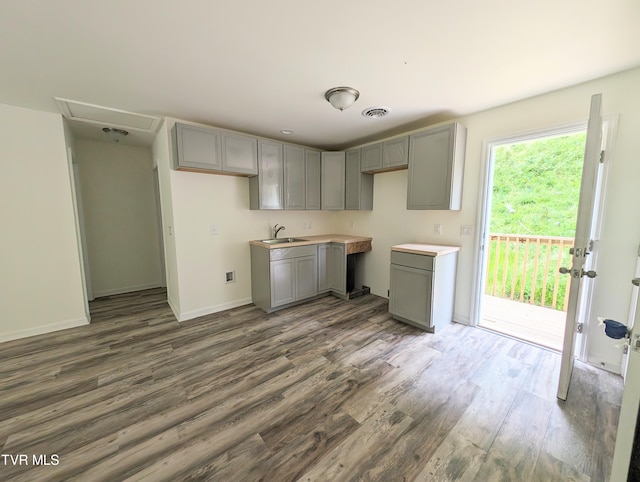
(465, 320)
(174, 308)
(189, 315)
(42, 329)
(604, 364)
(127, 289)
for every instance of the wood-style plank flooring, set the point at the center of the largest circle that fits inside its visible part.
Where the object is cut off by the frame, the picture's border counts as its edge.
(331, 390)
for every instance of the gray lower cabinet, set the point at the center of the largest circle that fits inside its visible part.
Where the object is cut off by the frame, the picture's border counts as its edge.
(436, 167)
(338, 268)
(266, 190)
(324, 256)
(332, 268)
(294, 177)
(206, 149)
(422, 289)
(358, 185)
(332, 183)
(313, 173)
(280, 277)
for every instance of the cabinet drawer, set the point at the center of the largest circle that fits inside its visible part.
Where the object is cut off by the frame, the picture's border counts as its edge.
(293, 252)
(418, 261)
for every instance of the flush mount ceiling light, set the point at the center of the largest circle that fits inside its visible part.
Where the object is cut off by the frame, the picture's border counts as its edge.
(286, 132)
(342, 97)
(116, 134)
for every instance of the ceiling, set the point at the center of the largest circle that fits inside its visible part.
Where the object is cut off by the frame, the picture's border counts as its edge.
(261, 66)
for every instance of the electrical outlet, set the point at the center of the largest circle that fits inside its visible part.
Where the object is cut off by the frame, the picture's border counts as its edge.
(466, 231)
(437, 229)
(230, 276)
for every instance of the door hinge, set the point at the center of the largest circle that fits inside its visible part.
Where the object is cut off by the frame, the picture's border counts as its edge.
(601, 156)
(580, 327)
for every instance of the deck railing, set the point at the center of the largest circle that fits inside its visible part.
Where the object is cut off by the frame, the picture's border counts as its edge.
(524, 268)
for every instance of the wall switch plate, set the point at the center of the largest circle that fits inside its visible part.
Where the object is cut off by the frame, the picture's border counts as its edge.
(213, 230)
(466, 231)
(437, 229)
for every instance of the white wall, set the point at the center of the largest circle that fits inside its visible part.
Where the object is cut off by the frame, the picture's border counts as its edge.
(40, 278)
(201, 260)
(120, 215)
(390, 223)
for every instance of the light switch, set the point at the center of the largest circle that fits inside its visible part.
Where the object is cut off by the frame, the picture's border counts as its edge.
(213, 230)
(466, 231)
(437, 229)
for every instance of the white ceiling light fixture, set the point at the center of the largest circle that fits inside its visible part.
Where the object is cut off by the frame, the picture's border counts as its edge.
(116, 134)
(342, 97)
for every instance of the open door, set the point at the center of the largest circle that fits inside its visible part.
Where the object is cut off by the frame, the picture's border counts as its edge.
(582, 242)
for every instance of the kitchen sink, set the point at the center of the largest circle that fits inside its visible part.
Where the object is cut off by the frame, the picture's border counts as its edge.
(282, 240)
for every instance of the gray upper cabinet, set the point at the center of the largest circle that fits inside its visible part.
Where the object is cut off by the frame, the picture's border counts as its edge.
(294, 178)
(358, 185)
(332, 184)
(313, 172)
(239, 153)
(385, 156)
(372, 157)
(196, 148)
(436, 166)
(396, 153)
(266, 189)
(206, 149)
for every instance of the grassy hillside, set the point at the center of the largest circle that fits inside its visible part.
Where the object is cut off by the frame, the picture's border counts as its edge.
(535, 192)
(536, 186)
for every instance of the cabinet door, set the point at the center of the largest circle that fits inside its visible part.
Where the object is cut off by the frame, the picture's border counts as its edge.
(294, 181)
(372, 157)
(332, 181)
(338, 268)
(197, 148)
(324, 265)
(396, 152)
(239, 153)
(358, 185)
(306, 277)
(270, 175)
(312, 179)
(283, 287)
(436, 160)
(352, 179)
(410, 294)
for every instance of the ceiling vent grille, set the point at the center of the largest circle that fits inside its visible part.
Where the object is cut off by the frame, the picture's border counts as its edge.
(375, 112)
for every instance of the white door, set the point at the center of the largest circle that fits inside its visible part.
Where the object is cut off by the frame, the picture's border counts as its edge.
(630, 403)
(582, 243)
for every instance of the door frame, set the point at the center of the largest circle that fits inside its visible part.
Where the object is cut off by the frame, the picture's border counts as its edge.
(485, 198)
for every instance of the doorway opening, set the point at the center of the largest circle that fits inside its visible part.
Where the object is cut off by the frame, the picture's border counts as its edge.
(532, 197)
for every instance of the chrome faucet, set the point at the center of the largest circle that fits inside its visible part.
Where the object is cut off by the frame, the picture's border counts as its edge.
(276, 230)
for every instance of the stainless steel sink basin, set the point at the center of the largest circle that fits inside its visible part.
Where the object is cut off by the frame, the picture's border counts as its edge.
(282, 240)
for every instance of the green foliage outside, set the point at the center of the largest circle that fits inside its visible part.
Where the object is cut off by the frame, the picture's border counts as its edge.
(536, 188)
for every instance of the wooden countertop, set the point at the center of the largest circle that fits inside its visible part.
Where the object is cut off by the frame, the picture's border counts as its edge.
(318, 239)
(425, 249)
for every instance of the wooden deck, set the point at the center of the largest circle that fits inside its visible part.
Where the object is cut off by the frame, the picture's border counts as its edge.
(541, 326)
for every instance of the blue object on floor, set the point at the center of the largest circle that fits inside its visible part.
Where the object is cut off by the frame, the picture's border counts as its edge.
(614, 329)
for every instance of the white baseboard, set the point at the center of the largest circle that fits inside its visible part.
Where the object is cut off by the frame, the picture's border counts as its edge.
(127, 289)
(465, 320)
(174, 308)
(42, 329)
(189, 315)
(605, 365)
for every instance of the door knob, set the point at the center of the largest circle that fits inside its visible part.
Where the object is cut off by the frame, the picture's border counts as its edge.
(636, 281)
(589, 274)
(564, 270)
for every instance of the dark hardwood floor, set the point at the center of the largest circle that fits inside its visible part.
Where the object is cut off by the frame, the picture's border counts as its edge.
(330, 390)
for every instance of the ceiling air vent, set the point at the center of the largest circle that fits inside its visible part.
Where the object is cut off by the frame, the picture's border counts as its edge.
(375, 112)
